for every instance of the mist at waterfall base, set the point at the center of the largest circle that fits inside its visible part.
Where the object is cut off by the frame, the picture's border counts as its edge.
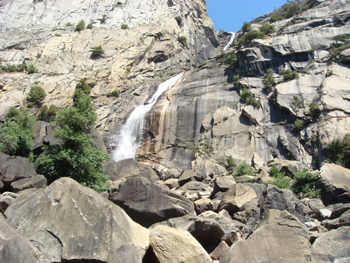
(130, 138)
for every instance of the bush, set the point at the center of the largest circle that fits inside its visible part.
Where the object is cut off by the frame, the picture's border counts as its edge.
(305, 183)
(249, 98)
(341, 38)
(275, 18)
(314, 109)
(267, 29)
(14, 68)
(182, 40)
(124, 26)
(280, 180)
(81, 89)
(47, 114)
(297, 104)
(246, 27)
(289, 75)
(16, 134)
(339, 151)
(247, 38)
(231, 164)
(31, 69)
(291, 10)
(80, 26)
(244, 169)
(236, 80)
(229, 58)
(36, 95)
(69, 24)
(299, 125)
(75, 158)
(89, 26)
(269, 81)
(114, 93)
(13, 112)
(97, 52)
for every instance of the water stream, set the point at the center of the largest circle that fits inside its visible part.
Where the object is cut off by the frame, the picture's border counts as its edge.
(130, 138)
(233, 34)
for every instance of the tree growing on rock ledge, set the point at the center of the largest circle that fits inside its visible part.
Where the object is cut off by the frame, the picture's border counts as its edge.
(75, 157)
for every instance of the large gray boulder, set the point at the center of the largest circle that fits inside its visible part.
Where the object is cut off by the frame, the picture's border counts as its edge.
(68, 222)
(124, 168)
(335, 184)
(170, 245)
(333, 245)
(16, 248)
(14, 168)
(148, 203)
(35, 181)
(206, 230)
(267, 244)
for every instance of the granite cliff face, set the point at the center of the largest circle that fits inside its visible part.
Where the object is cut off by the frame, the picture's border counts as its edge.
(204, 120)
(134, 62)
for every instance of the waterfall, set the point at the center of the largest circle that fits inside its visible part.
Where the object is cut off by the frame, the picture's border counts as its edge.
(233, 34)
(131, 132)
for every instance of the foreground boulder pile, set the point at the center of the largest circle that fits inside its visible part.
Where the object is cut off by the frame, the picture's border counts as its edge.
(143, 218)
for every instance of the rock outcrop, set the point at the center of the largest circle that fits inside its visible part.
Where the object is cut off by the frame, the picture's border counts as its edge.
(66, 221)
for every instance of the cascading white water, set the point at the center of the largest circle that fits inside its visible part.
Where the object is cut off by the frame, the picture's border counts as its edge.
(131, 132)
(233, 34)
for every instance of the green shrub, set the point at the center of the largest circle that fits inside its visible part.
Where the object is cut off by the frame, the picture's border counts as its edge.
(305, 183)
(81, 89)
(124, 26)
(291, 10)
(231, 164)
(249, 98)
(104, 18)
(16, 134)
(69, 24)
(236, 80)
(244, 169)
(80, 26)
(38, 55)
(314, 109)
(289, 75)
(97, 52)
(299, 125)
(89, 26)
(275, 18)
(13, 112)
(297, 104)
(47, 114)
(75, 157)
(246, 27)
(114, 93)
(31, 69)
(267, 29)
(247, 38)
(280, 182)
(269, 81)
(341, 38)
(36, 95)
(339, 151)
(182, 40)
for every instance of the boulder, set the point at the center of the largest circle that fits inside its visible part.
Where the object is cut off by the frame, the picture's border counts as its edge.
(124, 168)
(69, 222)
(343, 220)
(202, 205)
(187, 176)
(170, 245)
(333, 246)
(14, 168)
(223, 183)
(239, 197)
(6, 199)
(16, 248)
(289, 167)
(171, 183)
(202, 189)
(172, 174)
(147, 203)
(267, 244)
(284, 199)
(207, 231)
(335, 184)
(219, 251)
(35, 181)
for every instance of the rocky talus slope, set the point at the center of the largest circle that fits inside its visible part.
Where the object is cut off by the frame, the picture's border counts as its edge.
(200, 189)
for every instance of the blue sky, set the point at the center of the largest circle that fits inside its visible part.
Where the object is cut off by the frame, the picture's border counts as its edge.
(229, 15)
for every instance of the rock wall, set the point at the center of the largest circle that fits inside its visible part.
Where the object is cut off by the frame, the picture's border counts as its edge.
(203, 120)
